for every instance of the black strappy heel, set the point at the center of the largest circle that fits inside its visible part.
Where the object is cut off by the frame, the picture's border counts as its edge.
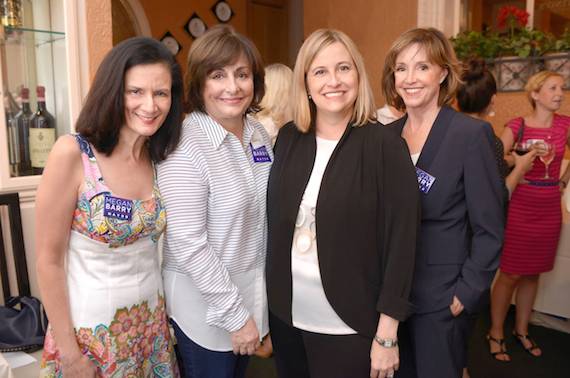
(533, 346)
(502, 350)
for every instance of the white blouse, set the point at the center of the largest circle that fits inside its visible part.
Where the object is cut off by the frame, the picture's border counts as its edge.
(311, 311)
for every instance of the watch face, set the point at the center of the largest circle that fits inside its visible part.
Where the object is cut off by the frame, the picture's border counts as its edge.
(195, 26)
(223, 11)
(171, 43)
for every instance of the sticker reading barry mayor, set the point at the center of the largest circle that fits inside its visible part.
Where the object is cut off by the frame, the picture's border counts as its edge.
(118, 208)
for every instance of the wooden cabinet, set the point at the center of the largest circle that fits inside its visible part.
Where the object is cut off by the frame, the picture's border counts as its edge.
(41, 49)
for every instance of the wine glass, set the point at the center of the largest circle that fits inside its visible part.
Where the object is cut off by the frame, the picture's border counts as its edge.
(521, 148)
(547, 155)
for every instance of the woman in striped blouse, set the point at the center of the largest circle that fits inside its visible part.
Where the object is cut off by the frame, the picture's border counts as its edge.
(214, 187)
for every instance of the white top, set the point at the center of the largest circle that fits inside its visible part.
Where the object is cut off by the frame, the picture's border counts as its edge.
(415, 157)
(215, 241)
(385, 115)
(311, 311)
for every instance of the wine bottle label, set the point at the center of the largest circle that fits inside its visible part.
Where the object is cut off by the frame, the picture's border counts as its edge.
(41, 142)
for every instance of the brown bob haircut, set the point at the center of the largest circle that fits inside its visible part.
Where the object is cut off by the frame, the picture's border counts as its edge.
(103, 114)
(218, 47)
(438, 50)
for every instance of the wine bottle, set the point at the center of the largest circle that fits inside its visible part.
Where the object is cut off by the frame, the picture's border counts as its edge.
(11, 14)
(10, 110)
(23, 125)
(42, 133)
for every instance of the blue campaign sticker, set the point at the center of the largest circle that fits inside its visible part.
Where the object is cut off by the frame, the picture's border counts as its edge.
(117, 208)
(260, 154)
(425, 180)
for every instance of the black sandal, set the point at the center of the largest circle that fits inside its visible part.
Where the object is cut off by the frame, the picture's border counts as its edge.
(502, 350)
(533, 346)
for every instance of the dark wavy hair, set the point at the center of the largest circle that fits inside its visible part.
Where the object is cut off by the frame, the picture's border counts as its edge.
(220, 46)
(479, 86)
(103, 114)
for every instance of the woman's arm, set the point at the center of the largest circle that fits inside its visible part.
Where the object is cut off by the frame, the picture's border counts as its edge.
(522, 165)
(508, 140)
(385, 360)
(566, 175)
(401, 204)
(55, 203)
(484, 203)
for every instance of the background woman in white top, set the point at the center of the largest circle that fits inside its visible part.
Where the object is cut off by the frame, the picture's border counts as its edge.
(275, 105)
(214, 188)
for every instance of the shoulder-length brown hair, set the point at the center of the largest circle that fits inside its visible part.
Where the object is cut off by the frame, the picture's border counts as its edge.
(304, 109)
(218, 47)
(103, 114)
(438, 50)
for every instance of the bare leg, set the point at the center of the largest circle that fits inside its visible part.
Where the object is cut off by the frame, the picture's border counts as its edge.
(526, 293)
(466, 373)
(500, 300)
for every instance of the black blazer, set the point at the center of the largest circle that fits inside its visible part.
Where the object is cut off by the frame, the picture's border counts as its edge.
(367, 217)
(462, 214)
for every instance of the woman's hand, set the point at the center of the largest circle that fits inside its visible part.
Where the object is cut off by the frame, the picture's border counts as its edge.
(456, 307)
(78, 366)
(246, 339)
(265, 350)
(383, 361)
(524, 163)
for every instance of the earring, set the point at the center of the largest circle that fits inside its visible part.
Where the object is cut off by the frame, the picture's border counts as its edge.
(310, 98)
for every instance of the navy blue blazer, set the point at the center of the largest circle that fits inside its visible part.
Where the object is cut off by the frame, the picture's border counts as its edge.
(462, 221)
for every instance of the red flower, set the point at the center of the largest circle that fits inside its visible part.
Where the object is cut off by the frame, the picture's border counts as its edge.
(509, 15)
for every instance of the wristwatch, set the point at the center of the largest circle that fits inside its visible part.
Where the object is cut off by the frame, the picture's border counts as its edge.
(386, 343)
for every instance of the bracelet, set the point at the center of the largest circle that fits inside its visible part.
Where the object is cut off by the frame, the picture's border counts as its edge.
(386, 343)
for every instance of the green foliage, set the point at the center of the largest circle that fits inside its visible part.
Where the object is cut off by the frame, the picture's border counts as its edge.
(522, 43)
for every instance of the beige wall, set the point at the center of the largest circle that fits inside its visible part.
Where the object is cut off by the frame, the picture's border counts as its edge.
(373, 25)
(171, 15)
(99, 32)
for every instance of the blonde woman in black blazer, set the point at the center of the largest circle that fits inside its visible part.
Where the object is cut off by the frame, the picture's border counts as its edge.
(344, 183)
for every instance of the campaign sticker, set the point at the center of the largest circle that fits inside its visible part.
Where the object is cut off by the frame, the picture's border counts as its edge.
(118, 208)
(260, 154)
(425, 180)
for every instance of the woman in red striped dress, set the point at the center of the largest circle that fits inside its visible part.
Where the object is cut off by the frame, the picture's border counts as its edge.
(534, 217)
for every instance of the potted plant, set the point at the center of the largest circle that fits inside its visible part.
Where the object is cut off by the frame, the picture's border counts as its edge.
(516, 42)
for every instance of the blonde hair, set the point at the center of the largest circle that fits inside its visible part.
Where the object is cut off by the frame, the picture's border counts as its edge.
(535, 83)
(304, 110)
(275, 104)
(438, 50)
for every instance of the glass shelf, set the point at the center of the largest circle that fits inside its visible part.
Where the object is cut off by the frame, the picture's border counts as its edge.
(33, 55)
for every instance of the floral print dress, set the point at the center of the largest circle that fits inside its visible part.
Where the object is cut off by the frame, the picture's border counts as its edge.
(114, 283)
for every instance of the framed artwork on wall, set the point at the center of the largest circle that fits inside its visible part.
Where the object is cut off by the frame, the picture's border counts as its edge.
(195, 26)
(223, 11)
(171, 43)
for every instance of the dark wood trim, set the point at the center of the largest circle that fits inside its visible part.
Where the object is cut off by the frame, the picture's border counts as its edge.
(12, 200)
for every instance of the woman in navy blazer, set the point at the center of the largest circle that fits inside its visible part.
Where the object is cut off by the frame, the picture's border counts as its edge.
(462, 215)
